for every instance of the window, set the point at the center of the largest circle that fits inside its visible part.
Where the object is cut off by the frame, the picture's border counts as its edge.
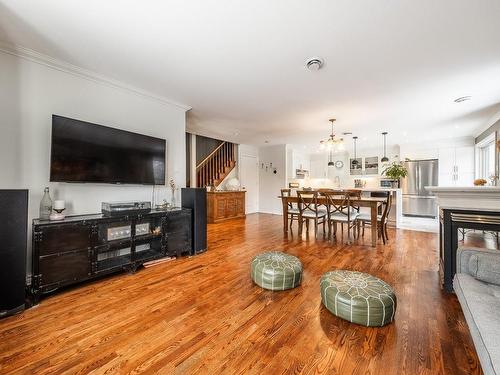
(485, 156)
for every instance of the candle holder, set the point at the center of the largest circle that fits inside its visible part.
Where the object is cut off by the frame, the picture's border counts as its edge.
(57, 215)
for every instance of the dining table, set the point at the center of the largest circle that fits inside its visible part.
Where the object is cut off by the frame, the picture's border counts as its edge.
(372, 202)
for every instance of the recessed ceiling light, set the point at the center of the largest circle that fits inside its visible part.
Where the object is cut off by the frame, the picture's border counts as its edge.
(314, 63)
(347, 133)
(462, 99)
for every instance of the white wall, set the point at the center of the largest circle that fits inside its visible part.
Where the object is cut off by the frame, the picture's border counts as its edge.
(31, 92)
(270, 183)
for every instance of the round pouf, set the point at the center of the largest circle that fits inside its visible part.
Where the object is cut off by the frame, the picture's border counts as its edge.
(358, 297)
(276, 271)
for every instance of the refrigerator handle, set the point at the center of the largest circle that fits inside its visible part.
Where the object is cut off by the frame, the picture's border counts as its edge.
(418, 180)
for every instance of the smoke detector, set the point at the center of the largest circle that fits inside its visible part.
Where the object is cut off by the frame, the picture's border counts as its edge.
(314, 63)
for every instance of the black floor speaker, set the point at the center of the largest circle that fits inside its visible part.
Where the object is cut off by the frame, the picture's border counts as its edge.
(13, 239)
(196, 200)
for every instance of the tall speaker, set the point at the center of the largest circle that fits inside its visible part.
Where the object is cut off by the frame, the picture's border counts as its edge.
(13, 238)
(196, 200)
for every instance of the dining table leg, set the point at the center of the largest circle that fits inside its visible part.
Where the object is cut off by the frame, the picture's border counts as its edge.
(285, 215)
(374, 223)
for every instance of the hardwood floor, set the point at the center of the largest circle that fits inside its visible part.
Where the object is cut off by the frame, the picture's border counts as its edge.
(204, 315)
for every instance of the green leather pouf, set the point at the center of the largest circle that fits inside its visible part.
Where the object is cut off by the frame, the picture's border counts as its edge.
(276, 271)
(358, 297)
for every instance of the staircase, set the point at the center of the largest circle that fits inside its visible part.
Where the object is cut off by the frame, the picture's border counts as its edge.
(216, 166)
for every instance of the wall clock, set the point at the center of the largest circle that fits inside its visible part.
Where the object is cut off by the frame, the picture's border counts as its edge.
(339, 164)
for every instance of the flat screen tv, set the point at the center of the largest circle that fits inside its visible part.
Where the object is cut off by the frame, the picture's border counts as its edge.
(86, 152)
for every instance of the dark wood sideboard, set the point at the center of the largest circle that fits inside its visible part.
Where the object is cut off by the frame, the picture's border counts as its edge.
(224, 205)
(86, 247)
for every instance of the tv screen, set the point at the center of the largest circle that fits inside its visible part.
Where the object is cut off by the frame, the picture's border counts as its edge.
(86, 152)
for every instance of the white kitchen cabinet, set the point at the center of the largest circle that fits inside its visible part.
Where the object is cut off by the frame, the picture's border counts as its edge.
(296, 160)
(319, 166)
(456, 166)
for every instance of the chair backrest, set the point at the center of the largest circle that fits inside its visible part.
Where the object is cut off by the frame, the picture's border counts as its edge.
(354, 194)
(308, 200)
(336, 203)
(387, 207)
(285, 193)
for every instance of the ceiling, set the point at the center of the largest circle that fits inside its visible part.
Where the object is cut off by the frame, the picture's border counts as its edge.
(392, 65)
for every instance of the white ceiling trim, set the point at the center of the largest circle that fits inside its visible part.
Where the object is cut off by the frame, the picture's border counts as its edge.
(40, 58)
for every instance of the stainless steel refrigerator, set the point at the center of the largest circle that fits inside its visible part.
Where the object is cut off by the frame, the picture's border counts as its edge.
(416, 200)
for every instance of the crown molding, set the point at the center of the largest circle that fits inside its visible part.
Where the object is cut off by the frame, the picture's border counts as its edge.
(40, 58)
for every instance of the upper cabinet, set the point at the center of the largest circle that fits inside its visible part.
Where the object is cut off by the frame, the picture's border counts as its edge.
(456, 166)
(297, 160)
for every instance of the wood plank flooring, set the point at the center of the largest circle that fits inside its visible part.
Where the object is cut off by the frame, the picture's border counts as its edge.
(204, 315)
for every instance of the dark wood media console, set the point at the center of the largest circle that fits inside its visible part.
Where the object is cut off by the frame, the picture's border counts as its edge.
(86, 247)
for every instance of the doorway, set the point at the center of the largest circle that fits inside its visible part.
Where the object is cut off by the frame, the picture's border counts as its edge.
(249, 175)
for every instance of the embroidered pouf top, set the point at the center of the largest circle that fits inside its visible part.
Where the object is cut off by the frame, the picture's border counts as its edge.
(276, 271)
(358, 297)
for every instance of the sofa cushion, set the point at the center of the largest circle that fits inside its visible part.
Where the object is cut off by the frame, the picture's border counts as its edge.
(481, 306)
(485, 267)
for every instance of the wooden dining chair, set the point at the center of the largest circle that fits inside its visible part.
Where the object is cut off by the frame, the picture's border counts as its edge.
(340, 211)
(310, 209)
(354, 195)
(365, 219)
(293, 211)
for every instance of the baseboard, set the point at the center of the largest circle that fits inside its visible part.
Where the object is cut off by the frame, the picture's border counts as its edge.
(269, 212)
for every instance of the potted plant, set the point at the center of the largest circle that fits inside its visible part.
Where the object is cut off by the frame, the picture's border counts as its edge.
(395, 171)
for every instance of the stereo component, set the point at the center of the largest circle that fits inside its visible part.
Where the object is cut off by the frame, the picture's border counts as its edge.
(125, 208)
(196, 200)
(142, 229)
(119, 233)
(13, 237)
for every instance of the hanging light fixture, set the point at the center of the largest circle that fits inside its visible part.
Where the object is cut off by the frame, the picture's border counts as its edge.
(330, 159)
(385, 158)
(355, 160)
(331, 143)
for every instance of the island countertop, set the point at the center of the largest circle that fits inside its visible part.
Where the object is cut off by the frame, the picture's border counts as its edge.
(467, 197)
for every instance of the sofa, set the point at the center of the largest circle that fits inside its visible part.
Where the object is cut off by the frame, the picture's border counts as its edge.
(477, 285)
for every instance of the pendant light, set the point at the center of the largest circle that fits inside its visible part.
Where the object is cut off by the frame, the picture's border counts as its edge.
(355, 161)
(331, 142)
(330, 159)
(385, 158)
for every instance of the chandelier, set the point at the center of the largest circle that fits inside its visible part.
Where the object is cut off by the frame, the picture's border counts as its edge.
(332, 144)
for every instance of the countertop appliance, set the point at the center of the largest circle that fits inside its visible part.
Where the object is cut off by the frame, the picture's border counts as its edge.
(387, 183)
(416, 200)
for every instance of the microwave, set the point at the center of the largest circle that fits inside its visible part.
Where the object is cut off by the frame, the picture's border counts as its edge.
(386, 183)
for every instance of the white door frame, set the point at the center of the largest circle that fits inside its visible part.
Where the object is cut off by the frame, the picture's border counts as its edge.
(256, 158)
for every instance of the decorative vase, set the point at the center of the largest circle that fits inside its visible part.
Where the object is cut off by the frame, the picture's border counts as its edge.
(172, 199)
(45, 205)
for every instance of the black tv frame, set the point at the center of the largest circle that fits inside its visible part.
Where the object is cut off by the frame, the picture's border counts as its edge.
(110, 181)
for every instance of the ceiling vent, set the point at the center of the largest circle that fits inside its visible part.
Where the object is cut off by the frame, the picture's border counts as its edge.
(314, 63)
(462, 99)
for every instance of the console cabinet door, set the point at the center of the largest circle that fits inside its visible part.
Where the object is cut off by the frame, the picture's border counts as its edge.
(66, 268)
(221, 207)
(63, 238)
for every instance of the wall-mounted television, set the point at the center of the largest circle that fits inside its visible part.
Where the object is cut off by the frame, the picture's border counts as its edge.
(86, 152)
